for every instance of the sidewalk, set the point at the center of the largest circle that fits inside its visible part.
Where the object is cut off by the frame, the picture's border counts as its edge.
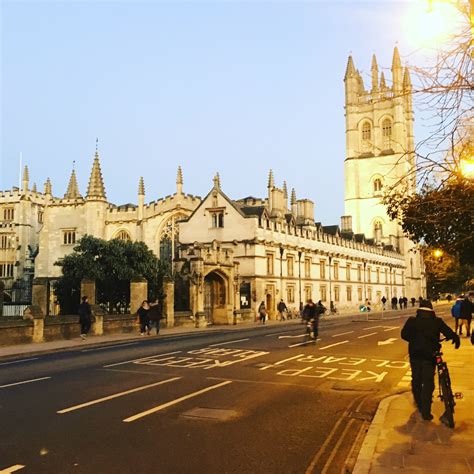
(398, 439)
(33, 349)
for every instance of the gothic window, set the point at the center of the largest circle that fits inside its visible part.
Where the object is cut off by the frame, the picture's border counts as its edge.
(366, 131)
(386, 133)
(377, 185)
(290, 265)
(123, 235)
(8, 214)
(69, 237)
(6, 269)
(217, 219)
(169, 239)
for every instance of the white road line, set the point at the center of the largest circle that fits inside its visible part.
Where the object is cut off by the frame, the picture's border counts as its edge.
(291, 337)
(372, 327)
(392, 328)
(286, 360)
(302, 343)
(11, 469)
(332, 345)
(141, 358)
(18, 362)
(343, 333)
(115, 395)
(174, 402)
(366, 335)
(25, 381)
(280, 332)
(229, 342)
(109, 347)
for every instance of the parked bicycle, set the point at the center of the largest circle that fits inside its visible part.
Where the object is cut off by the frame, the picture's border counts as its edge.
(446, 394)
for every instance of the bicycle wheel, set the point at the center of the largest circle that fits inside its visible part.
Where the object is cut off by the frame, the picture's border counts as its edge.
(447, 397)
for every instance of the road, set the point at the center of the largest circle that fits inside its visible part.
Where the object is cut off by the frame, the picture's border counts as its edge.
(258, 400)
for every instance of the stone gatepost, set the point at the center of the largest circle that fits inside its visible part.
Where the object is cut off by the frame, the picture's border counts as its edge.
(35, 314)
(169, 304)
(2, 287)
(40, 295)
(88, 289)
(138, 293)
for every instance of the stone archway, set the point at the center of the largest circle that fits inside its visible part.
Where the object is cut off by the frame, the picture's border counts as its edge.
(216, 297)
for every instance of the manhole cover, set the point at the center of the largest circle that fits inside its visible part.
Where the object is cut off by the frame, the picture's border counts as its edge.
(210, 414)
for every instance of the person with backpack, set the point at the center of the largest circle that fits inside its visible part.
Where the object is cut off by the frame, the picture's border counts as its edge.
(456, 314)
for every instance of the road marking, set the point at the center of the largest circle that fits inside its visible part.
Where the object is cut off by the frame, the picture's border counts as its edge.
(141, 358)
(332, 345)
(387, 341)
(303, 343)
(336, 448)
(229, 342)
(25, 381)
(115, 395)
(10, 469)
(109, 347)
(366, 335)
(18, 362)
(174, 402)
(291, 337)
(343, 333)
(372, 327)
(391, 328)
(280, 332)
(406, 380)
(315, 460)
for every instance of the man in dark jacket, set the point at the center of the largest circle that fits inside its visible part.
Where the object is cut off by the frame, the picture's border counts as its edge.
(282, 309)
(465, 314)
(155, 314)
(85, 317)
(394, 302)
(423, 334)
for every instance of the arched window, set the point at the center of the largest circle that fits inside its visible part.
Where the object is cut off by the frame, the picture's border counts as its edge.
(377, 185)
(123, 235)
(387, 133)
(169, 239)
(366, 131)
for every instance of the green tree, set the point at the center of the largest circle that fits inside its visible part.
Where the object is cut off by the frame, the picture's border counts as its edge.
(112, 264)
(440, 217)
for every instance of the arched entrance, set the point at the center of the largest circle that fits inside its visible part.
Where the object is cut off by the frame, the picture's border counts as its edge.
(215, 298)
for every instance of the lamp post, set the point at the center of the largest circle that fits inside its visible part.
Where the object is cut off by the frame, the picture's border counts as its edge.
(300, 253)
(282, 250)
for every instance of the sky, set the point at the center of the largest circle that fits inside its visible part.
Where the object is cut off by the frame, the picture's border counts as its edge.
(219, 86)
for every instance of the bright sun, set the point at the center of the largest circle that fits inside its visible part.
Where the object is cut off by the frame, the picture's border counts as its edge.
(428, 24)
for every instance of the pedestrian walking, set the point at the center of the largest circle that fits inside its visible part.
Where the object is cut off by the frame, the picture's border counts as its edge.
(155, 315)
(143, 318)
(394, 302)
(282, 310)
(85, 317)
(262, 312)
(456, 314)
(400, 302)
(311, 314)
(422, 332)
(405, 302)
(413, 301)
(466, 314)
(384, 302)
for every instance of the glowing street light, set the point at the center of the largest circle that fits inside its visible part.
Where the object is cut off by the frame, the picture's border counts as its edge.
(438, 253)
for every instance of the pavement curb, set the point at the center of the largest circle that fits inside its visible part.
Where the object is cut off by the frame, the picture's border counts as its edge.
(366, 453)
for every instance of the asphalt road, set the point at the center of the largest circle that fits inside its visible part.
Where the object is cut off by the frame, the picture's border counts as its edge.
(251, 401)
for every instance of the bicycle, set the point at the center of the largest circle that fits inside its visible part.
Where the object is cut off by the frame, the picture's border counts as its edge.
(445, 390)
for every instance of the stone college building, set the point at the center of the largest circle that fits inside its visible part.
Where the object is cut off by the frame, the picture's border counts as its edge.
(231, 254)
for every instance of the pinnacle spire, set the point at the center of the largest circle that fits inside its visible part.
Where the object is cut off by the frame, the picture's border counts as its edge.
(293, 196)
(375, 74)
(406, 79)
(179, 177)
(383, 85)
(96, 187)
(271, 180)
(26, 174)
(285, 191)
(34, 188)
(72, 189)
(396, 63)
(48, 189)
(350, 68)
(217, 181)
(141, 187)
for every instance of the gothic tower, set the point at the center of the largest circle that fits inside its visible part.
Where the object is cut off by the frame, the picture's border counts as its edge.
(379, 153)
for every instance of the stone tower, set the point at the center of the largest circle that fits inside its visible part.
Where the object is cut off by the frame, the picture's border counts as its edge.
(379, 153)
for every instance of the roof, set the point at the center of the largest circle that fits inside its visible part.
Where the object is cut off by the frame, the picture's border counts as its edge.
(253, 210)
(331, 229)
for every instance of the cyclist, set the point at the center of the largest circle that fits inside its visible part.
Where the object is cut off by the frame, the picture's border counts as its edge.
(311, 314)
(423, 334)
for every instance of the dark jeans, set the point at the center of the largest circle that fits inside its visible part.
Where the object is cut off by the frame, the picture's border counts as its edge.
(156, 323)
(85, 326)
(145, 325)
(422, 383)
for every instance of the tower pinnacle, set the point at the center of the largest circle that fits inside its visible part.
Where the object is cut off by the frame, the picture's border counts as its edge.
(96, 189)
(72, 189)
(179, 181)
(375, 74)
(271, 180)
(141, 187)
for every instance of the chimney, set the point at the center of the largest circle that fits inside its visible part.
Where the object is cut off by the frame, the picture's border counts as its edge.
(346, 224)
